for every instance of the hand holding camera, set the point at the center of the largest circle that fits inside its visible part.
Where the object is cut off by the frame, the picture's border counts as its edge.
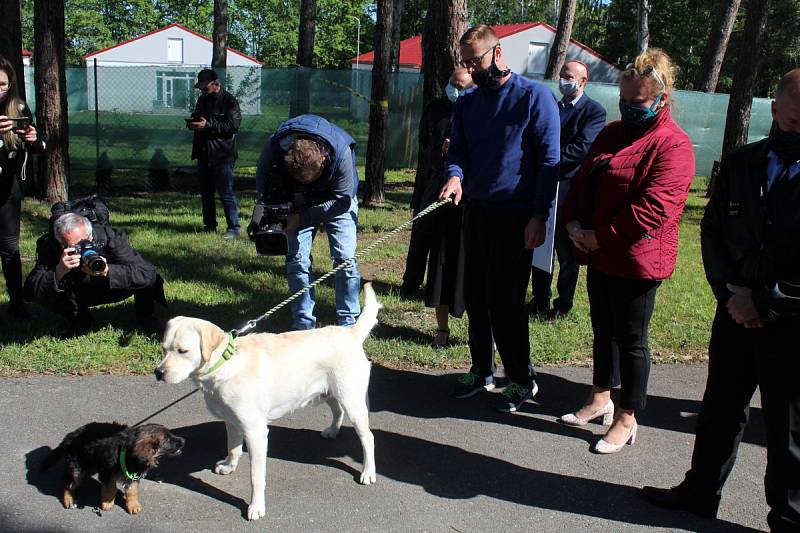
(85, 255)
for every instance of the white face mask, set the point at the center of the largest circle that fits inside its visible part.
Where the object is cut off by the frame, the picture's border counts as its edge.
(567, 88)
(452, 92)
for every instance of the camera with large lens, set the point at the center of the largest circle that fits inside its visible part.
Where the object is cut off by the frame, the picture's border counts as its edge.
(267, 228)
(89, 253)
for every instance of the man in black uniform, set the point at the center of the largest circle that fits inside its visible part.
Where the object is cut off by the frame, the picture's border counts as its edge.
(751, 253)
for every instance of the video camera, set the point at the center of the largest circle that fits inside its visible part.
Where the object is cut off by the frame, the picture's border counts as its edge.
(89, 253)
(267, 228)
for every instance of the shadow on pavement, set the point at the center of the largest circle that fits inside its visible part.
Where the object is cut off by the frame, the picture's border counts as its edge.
(423, 395)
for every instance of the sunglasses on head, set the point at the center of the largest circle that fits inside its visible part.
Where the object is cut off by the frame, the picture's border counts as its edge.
(647, 70)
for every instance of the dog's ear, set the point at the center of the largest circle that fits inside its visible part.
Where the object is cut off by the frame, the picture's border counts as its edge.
(210, 338)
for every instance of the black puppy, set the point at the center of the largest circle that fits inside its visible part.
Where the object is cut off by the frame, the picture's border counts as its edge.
(116, 453)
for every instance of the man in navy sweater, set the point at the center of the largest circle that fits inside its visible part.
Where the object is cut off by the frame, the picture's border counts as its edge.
(581, 120)
(503, 158)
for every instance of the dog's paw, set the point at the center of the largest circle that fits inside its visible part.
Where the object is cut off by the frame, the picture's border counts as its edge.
(106, 506)
(256, 511)
(224, 468)
(69, 503)
(330, 432)
(368, 478)
(134, 508)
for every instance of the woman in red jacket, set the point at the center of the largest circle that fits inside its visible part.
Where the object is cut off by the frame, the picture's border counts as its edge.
(622, 215)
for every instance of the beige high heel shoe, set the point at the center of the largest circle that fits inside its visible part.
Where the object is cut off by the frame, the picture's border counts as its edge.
(606, 447)
(607, 412)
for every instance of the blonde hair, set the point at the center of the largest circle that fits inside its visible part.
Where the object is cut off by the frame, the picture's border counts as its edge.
(481, 32)
(13, 105)
(656, 67)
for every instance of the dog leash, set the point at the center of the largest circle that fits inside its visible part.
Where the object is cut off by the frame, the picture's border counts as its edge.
(250, 324)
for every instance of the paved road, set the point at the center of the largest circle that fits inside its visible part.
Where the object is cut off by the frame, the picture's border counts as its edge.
(443, 465)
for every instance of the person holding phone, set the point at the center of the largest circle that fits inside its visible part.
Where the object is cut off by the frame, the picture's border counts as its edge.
(215, 124)
(18, 137)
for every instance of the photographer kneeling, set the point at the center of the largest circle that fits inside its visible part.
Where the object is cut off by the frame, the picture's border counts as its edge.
(307, 177)
(79, 266)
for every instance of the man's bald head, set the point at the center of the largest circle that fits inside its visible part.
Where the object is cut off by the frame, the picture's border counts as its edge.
(579, 68)
(461, 79)
(786, 106)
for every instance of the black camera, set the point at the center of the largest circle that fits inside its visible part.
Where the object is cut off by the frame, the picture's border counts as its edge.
(89, 253)
(267, 228)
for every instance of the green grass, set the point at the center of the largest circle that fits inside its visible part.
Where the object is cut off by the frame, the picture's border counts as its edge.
(226, 282)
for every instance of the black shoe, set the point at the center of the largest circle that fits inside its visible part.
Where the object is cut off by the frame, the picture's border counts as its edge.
(470, 384)
(407, 291)
(536, 309)
(514, 396)
(677, 498)
(149, 324)
(208, 229)
(557, 314)
(19, 311)
(82, 323)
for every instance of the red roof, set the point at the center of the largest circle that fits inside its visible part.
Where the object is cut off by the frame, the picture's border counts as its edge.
(411, 48)
(27, 53)
(173, 25)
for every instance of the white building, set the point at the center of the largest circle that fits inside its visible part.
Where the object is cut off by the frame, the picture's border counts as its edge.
(156, 72)
(526, 49)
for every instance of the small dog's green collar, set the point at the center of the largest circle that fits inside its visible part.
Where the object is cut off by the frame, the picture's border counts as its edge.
(124, 467)
(227, 354)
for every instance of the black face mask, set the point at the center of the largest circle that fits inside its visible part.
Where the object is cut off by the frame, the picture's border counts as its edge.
(490, 77)
(786, 144)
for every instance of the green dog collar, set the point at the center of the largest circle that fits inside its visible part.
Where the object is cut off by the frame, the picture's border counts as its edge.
(124, 467)
(227, 354)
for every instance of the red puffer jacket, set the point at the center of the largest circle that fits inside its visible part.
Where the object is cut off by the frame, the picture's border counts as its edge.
(638, 200)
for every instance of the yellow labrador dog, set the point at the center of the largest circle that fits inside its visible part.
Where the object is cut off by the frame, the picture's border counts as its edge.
(268, 376)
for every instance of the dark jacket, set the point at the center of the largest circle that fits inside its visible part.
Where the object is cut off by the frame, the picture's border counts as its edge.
(578, 131)
(751, 238)
(217, 142)
(126, 268)
(631, 189)
(434, 129)
(326, 197)
(11, 161)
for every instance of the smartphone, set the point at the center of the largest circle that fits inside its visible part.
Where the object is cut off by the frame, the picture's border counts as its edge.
(191, 119)
(21, 123)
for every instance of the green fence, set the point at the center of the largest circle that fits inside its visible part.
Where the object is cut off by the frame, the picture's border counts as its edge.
(130, 113)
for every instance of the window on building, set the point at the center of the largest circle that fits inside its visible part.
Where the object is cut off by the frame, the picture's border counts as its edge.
(174, 89)
(175, 50)
(538, 54)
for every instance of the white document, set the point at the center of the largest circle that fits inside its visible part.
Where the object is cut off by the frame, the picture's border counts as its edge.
(543, 255)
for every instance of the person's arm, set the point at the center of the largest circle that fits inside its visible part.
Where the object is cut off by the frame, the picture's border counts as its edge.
(41, 283)
(126, 268)
(547, 144)
(342, 185)
(458, 160)
(573, 153)
(262, 173)
(229, 122)
(661, 195)
(37, 146)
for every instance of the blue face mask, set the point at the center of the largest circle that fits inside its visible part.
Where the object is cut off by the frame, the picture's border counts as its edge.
(566, 87)
(635, 116)
(452, 92)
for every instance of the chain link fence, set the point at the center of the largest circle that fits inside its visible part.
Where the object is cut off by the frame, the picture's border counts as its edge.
(131, 117)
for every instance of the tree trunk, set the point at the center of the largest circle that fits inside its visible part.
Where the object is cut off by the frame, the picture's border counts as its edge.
(11, 40)
(305, 58)
(644, 27)
(219, 53)
(399, 6)
(445, 23)
(737, 122)
(558, 52)
(714, 54)
(379, 105)
(51, 98)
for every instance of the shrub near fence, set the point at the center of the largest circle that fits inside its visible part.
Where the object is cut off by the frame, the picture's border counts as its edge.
(141, 110)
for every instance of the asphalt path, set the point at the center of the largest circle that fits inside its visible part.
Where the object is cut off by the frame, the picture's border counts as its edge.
(443, 464)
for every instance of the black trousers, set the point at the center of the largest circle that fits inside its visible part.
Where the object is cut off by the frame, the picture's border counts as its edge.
(10, 209)
(495, 282)
(739, 360)
(620, 310)
(568, 271)
(417, 259)
(75, 303)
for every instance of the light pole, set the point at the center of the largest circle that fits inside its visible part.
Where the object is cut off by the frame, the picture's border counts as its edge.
(358, 38)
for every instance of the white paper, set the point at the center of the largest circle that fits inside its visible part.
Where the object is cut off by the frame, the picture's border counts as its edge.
(543, 255)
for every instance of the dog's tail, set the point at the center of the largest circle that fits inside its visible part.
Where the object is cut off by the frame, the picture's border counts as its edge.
(369, 314)
(52, 458)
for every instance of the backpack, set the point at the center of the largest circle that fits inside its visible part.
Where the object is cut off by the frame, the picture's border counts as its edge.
(92, 207)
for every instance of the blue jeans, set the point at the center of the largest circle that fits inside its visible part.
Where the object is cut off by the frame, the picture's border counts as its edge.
(341, 232)
(217, 178)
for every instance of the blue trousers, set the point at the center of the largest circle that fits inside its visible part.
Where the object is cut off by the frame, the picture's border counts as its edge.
(217, 178)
